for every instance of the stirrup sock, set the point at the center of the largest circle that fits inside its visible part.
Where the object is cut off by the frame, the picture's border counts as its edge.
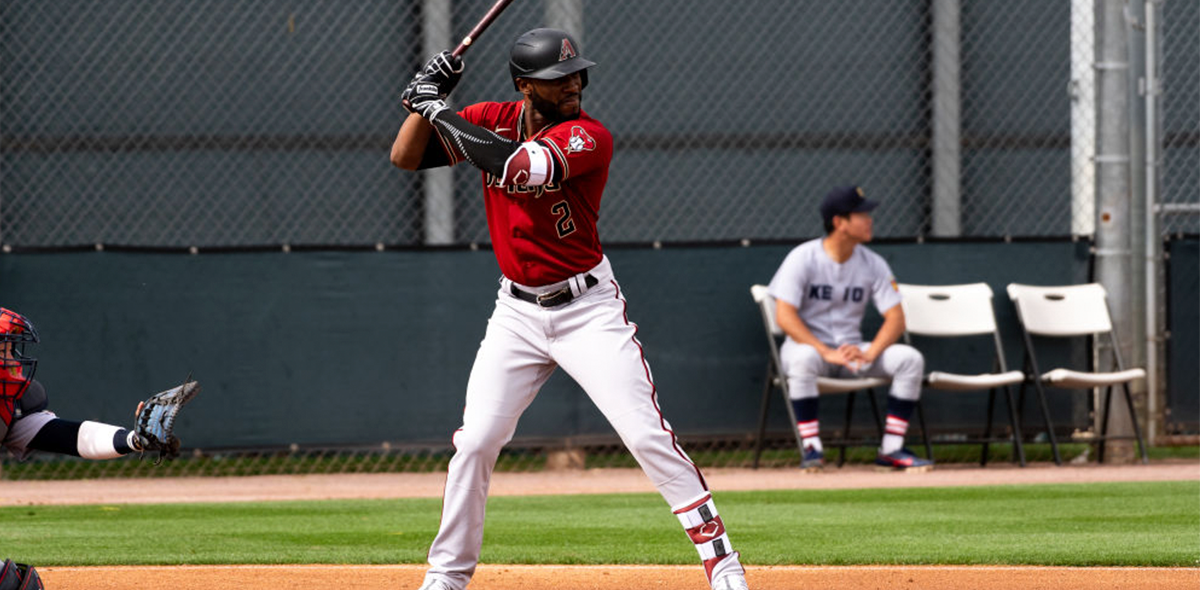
(810, 435)
(807, 423)
(704, 526)
(893, 438)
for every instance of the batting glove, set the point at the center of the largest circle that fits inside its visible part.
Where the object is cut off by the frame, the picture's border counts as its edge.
(444, 69)
(422, 97)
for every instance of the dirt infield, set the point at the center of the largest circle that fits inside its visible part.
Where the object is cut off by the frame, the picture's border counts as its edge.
(507, 577)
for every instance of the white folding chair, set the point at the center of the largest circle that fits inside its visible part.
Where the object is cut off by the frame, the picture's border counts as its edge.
(959, 311)
(1074, 311)
(776, 379)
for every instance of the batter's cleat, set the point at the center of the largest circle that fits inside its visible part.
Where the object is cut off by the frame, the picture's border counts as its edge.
(813, 460)
(734, 581)
(436, 584)
(902, 460)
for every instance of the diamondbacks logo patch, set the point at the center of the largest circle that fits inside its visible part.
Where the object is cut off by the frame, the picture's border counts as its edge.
(567, 51)
(580, 141)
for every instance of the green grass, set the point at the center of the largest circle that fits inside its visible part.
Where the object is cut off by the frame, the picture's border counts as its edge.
(1127, 524)
(1181, 452)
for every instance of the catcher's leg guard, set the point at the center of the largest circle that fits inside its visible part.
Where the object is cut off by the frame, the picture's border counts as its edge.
(18, 576)
(10, 577)
(30, 580)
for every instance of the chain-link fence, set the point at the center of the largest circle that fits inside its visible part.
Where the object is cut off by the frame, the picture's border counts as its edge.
(1179, 192)
(1180, 98)
(221, 124)
(215, 123)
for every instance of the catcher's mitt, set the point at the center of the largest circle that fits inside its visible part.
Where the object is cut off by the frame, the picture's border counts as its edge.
(155, 425)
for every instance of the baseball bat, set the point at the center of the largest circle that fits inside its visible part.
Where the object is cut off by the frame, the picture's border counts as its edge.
(483, 24)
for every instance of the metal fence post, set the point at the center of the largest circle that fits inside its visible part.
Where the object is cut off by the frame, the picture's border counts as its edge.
(1113, 197)
(1153, 241)
(947, 127)
(1136, 47)
(438, 183)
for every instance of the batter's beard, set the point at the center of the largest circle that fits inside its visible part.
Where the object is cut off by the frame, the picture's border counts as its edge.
(549, 110)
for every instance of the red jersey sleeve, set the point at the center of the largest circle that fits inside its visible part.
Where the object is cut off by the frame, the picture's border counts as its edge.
(578, 146)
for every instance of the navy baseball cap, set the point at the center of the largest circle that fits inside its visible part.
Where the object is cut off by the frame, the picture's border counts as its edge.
(845, 200)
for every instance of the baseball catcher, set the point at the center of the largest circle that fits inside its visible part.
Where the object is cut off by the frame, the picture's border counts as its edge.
(26, 425)
(19, 576)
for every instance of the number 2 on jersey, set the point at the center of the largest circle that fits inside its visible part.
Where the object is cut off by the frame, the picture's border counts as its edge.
(565, 225)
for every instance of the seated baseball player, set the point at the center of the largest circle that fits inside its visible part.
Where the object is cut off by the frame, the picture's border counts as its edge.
(26, 425)
(821, 292)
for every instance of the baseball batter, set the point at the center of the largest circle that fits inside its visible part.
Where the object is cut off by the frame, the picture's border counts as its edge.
(545, 163)
(821, 292)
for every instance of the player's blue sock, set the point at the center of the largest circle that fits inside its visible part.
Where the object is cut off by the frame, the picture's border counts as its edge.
(806, 408)
(900, 408)
(806, 421)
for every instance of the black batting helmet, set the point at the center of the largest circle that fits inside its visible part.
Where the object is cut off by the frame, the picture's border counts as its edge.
(546, 54)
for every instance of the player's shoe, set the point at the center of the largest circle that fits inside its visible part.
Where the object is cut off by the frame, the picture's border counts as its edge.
(902, 460)
(732, 581)
(813, 460)
(436, 584)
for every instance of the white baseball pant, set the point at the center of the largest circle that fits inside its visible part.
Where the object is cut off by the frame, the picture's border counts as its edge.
(803, 364)
(593, 340)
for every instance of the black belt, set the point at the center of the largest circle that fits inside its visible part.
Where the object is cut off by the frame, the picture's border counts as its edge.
(553, 298)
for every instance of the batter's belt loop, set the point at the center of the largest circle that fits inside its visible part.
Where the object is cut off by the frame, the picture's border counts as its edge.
(554, 298)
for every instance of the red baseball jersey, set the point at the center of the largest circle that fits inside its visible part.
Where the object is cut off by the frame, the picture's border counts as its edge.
(545, 234)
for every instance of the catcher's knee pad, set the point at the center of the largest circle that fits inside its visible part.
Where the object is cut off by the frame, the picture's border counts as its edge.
(18, 576)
